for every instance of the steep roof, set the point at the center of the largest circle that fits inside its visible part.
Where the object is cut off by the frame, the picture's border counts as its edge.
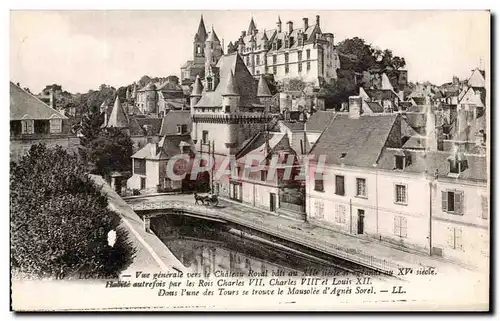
(170, 86)
(477, 78)
(319, 120)
(145, 126)
(197, 87)
(244, 82)
(212, 36)
(375, 107)
(251, 27)
(230, 89)
(262, 88)
(431, 161)
(257, 145)
(174, 118)
(118, 117)
(24, 105)
(380, 94)
(360, 140)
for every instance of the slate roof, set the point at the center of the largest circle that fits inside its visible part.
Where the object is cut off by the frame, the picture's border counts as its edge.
(469, 132)
(172, 119)
(170, 86)
(139, 125)
(263, 88)
(432, 160)
(419, 100)
(245, 83)
(24, 105)
(361, 139)
(375, 107)
(380, 94)
(168, 147)
(319, 120)
(118, 117)
(201, 34)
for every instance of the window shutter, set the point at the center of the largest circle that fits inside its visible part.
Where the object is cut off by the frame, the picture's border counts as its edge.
(403, 227)
(458, 238)
(450, 237)
(459, 200)
(444, 201)
(484, 207)
(396, 225)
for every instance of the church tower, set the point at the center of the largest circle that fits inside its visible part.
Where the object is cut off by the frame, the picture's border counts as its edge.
(199, 42)
(213, 52)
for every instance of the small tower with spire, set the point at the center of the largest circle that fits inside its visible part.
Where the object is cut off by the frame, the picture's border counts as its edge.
(278, 24)
(199, 40)
(230, 96)
(118, 118)
(263, 93)
(196, 93)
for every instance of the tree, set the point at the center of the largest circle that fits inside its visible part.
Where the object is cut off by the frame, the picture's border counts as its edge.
(110, 151)
(173, 78)
(271, 83)
(296, 84)
(89, 128)
(60, 220)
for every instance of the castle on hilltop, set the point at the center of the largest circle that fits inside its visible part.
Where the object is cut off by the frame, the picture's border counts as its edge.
(303, 52)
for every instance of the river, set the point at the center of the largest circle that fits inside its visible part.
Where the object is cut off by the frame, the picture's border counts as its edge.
(207, 246)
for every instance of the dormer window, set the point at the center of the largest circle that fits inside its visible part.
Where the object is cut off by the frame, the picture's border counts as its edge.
(181, 129)
(458, 163)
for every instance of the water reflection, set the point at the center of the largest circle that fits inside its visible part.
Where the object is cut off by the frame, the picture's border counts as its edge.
(206, 247)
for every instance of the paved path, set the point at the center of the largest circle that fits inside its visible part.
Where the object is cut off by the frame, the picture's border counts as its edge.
(304, 233)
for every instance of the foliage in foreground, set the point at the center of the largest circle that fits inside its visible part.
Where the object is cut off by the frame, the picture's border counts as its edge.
(60, 220)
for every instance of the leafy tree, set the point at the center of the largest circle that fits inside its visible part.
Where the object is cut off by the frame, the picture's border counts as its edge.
(296, 84)
(60, 220)
(110, 151)
(173, 79)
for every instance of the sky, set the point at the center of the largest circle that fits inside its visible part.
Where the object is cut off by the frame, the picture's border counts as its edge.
(82, 49)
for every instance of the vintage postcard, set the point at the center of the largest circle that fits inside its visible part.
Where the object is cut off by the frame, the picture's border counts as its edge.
(250, 160)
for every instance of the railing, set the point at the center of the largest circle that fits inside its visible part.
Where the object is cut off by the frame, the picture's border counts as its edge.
(348, 254)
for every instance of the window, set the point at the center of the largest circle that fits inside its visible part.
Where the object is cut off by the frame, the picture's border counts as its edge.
(455, 238)
(184, 128)
(257, 60)
(360, 187)
(204, 136)
(179, 129)
(263, 176)
(400, 226)
(227, 109)
(340, 214)
(319, 209)
(274, 59)
(186, 149)
(55, 125)
(139, 166)
(267, 69)
(275, 70)
(299, 55)
(300, 66)
(308, 54)
(400, 191)
(457, 166)
(27, 126)
(452, 202)
(143, 182)
(308, 65)
(339, 185)
(484, 207)
(286, 43)
(209, 83)
(248, 60)
(287, 69)
(318, 183)
(400, 162)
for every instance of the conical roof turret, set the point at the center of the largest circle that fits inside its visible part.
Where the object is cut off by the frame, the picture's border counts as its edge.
(118, 117)
(201, 34)
(263, 88)
(230, 89)
(212, 37)
(251, 27)
(197, 87)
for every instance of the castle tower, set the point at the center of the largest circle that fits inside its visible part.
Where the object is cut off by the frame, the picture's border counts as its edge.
(199, 42)
(213, 50)
(151, 99)
(118, 118)
(251, 27)
(134, 91)
(230, 96)
(196, 94)
(263, 93)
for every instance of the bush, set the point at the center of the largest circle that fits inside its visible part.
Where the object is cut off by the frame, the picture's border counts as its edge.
(60, 220)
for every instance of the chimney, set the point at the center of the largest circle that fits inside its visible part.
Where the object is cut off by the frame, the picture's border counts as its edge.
(153, 148)
(317, 20)
(306, 23)
(355, 107)
(290, 26)
(430, 131)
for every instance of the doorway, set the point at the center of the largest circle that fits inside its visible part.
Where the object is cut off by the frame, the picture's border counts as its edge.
(272, 202)
(361, 221)
(143, 183)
